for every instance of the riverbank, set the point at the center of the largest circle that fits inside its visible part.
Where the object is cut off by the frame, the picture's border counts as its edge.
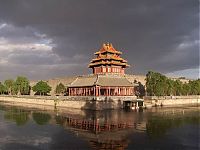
(81, 102)
(52, 102)
(167, 101)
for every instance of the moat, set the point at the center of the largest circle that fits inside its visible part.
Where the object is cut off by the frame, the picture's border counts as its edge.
(156, 128)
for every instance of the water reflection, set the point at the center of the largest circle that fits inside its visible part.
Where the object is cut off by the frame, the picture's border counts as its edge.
(19, 116)
(158, 126)
(41, 118)
(108, 129)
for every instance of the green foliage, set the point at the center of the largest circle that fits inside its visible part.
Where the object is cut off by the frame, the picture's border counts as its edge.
(156, 84)
(159, 85)
(195, 87)
(60, 89)
(140, 89)
(42, 88)
(9, 84)
(22, 85)
(14, 89)
(3, 89)
(41, 118)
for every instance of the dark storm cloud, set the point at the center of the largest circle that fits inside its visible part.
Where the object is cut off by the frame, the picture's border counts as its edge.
(154, 35)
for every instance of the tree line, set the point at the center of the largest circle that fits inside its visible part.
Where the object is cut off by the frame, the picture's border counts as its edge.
(159, 85)
(21, 86)
(156, 85)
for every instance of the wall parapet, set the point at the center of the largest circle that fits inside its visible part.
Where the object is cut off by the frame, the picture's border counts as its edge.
(171, 97)
(151, 101)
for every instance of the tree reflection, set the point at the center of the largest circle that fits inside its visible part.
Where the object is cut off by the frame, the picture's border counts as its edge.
(41, 118)
(20, 117)
(158, 126)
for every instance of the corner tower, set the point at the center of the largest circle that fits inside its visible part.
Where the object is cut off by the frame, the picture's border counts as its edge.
(108, 61)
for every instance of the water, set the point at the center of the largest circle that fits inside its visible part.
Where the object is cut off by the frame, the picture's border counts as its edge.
(161, 128)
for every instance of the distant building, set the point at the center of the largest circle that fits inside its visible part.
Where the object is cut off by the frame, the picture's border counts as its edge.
(108, 78)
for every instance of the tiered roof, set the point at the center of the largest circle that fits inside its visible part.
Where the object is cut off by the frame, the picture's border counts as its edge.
(108, 55)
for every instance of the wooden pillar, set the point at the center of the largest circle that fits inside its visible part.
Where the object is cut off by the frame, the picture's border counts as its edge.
(89, 91)
(96, 91)
(99, 91)
(69, 92)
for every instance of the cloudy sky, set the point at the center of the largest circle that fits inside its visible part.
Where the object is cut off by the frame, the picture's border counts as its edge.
(55, 38)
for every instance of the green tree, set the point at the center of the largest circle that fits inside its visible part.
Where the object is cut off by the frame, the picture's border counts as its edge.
(170, 87)
(2, 89)
(42, 88)
(23, 87)
(186, 89)
(9, 84)
(150, 83)
(195, 87)
(14, 89)
(156, 84)
(60, 89)
(178, 88)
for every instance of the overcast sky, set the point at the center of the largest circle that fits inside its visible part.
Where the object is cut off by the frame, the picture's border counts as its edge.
(44, 39)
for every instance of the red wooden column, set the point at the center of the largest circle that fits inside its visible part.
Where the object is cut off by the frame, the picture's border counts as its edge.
(99, 91)
(106, 91)
(69, 92)
(86, 91)
(94, 91)
(89, 91)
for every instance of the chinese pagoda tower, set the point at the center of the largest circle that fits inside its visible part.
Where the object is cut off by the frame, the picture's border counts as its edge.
(108, 61)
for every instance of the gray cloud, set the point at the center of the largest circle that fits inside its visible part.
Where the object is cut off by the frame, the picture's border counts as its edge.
(154, 35)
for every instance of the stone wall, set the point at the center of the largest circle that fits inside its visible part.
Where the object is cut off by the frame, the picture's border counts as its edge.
(84, 102)
(150, 101)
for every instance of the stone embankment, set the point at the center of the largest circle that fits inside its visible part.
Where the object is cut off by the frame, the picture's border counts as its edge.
(81, 102)
(99, 103)
(43, 101)
(151, 101)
